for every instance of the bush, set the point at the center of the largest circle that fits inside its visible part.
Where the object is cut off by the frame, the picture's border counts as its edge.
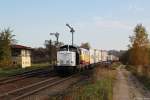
(141, 73)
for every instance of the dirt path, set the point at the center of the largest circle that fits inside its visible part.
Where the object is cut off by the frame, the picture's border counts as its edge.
(127, 87)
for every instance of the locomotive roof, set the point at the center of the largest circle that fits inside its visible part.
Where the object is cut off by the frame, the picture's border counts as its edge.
(70, 46)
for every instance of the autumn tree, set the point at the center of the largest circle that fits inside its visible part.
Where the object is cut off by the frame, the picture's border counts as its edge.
(139, 46)
(40, 55)
(51, 50)
(124, 58)
(85, 45)
(6, 39)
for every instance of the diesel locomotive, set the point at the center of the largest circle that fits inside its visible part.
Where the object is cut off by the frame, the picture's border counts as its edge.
(72, 58)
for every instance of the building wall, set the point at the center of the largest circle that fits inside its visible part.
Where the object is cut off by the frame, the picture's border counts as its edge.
(23, 59)
(26, 61)
(16, 60)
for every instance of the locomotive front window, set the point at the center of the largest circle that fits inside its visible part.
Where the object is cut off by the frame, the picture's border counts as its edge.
(68, 48)
(63, 49)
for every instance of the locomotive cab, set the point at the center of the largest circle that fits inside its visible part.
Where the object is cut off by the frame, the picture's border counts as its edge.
(67, 58)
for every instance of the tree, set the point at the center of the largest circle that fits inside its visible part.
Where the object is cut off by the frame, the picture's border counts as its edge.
(39, 55)
(85, 45)
(124, 57)
(139, 46)
(51, 49)
(6, 39)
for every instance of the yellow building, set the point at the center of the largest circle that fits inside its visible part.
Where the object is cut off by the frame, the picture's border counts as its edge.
(21, 55)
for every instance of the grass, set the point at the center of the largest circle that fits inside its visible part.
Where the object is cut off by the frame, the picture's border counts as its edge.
(115, 65)
(99, 87)
(144, 79)
(4, 72)
(100, 90)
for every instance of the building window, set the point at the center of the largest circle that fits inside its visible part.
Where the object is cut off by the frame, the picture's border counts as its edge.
(14, 62)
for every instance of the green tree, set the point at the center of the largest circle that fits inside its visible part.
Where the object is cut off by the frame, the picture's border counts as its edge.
(6, 39)
(139, 46)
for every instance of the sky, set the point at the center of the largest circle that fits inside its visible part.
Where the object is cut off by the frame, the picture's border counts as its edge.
(105, 24)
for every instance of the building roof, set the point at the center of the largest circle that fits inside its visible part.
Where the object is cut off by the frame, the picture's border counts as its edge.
(20, 47)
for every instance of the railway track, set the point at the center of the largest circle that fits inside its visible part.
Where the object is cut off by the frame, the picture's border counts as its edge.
(26, 91)
(26, 72)
(25, 75)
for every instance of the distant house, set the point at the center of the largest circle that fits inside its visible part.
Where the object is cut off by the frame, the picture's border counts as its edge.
(21, 55)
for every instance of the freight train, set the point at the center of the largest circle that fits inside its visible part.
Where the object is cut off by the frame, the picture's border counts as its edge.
(72, 58)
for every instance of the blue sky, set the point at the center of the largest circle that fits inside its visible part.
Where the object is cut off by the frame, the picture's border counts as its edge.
(105, 24)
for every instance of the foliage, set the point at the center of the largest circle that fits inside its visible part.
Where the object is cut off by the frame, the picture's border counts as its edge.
(85, 45)
(139, 46)
(115, 65)
(51, 50)
(144, 78)
(145, 81)
(46, 54)
(124, 58)
(39, 55)
(137, 57)
(6, 39)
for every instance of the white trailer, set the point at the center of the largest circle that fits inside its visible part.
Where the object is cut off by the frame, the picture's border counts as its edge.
(97, 56)
(104, 55)
(92, 56)
(112, 58)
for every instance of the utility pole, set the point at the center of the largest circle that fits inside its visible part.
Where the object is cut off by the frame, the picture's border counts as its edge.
(57, 37)
(48, 44)
(71, 30)
(50, 48)
(54, 54)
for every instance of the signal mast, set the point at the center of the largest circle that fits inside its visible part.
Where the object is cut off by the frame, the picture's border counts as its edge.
(71, 30)
(57, 37)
